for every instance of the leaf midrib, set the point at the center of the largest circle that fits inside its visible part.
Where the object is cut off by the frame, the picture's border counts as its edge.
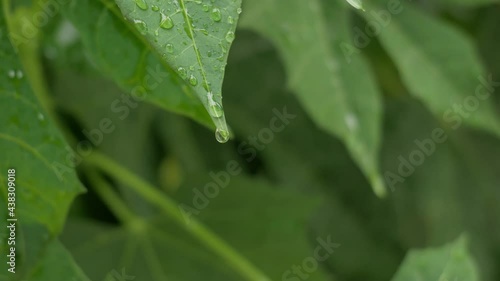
(109, 5)
(195, 47)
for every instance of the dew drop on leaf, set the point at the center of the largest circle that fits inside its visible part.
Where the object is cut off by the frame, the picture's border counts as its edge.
(239, 10)
(216, 15)
(193, 81)
(230, 20)
(215, 109)
(230, 36)
(155, 8)
(141, 4)
(141, 26)
(170, 48)
(166, 22)
(183, 72)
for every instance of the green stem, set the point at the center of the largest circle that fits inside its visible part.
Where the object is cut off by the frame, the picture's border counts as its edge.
(111, 199)
(217, 245)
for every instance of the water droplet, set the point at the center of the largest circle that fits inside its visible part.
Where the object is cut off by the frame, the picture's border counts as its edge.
(193, 81)
(12, 73)
(239, 10)
(19, 74)
(206, 7)
(221, 135)
(183, 72)
(209, 54)
(169, 48)
(216, 15)
(155, 8)
(141, 4)
(230, 36)
(141, 26)
(215, 109)
(166, 22)
(230, 20)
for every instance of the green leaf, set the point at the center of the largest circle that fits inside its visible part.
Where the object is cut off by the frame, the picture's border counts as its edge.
(45, 181)
(194, 38)
(339, 93)
(159, 250)
(440, 66)
(57, 261)
(448, 263)
(121, 53)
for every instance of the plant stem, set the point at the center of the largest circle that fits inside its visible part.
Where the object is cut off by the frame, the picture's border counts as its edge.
(112, 200)
(217, 245)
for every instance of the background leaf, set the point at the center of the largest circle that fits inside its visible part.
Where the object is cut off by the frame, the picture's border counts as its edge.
(46, 183)
(324, 79)
(451, 81)
(450, 262)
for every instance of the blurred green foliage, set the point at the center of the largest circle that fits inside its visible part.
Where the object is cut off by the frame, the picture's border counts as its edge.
(358, 138)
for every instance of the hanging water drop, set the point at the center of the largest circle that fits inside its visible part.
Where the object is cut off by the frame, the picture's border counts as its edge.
(221, 135)
(216, 15)
(230, 37)
(166, 22)
(141, 4)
